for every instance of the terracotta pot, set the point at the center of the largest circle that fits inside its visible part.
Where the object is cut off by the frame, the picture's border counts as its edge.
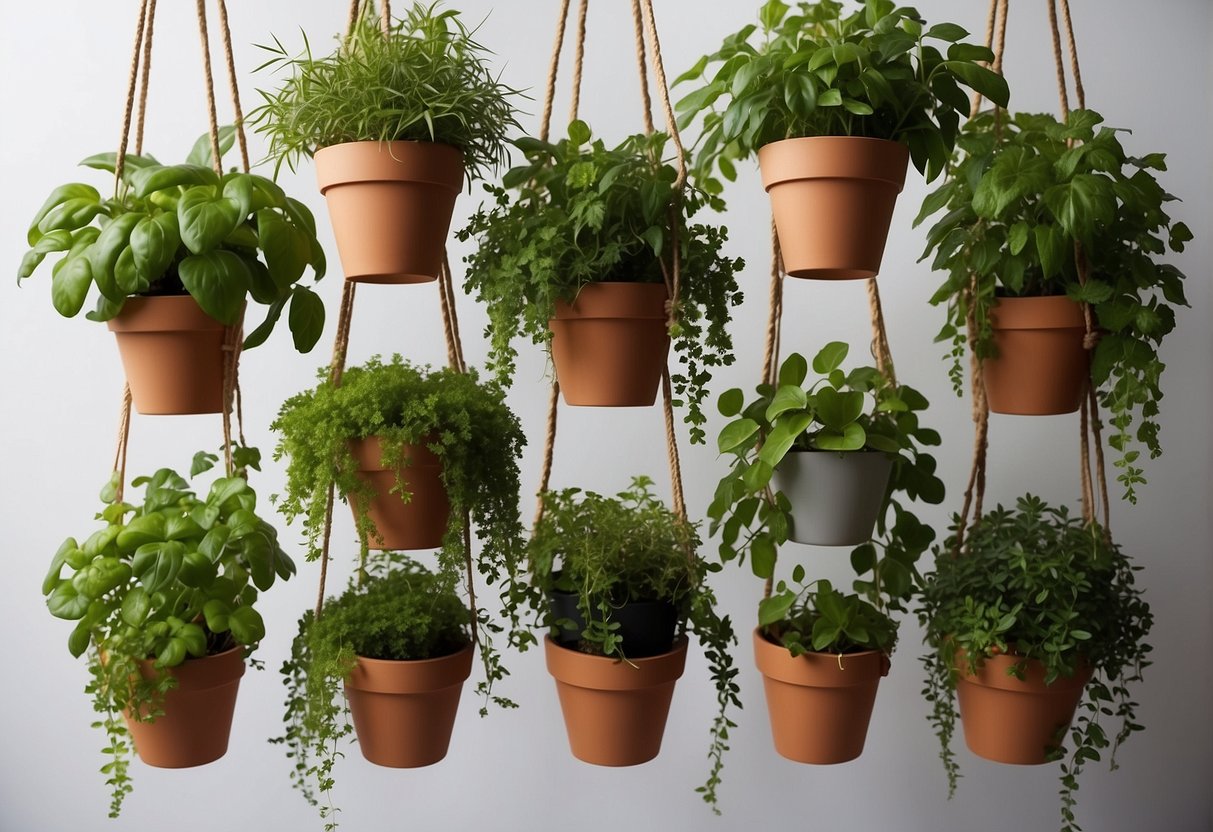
(391, 204)
(1042, 368)
(403, 711)
(173, 355)
(615, 711)
(419, 523)
(836, 497)
(820, 704)
(1011, 721)
(610, 345)
(197, 718)
(832, 198)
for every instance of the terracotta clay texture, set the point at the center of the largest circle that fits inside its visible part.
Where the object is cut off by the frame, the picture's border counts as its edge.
(836, 497)
(610, 345)
(390, 204)
(197, 719)
(832, 198)
(820, 704)
(404, 712)
(615, 711)
(172, 352)
(1042, 368)
(1011, 721)
(421, 522)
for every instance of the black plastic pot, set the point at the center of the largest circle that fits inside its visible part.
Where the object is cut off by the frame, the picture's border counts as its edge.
(646, 627)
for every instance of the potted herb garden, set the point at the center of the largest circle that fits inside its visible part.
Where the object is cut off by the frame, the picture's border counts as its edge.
(1038, 612)
(835, 104)
(393, 122)
(579, 258)
(175, 254)
(164, 597)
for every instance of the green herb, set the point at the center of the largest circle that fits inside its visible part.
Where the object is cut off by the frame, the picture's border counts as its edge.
(817, 618)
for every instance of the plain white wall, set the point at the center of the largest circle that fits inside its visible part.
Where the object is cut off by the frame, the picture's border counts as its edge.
(63, 68)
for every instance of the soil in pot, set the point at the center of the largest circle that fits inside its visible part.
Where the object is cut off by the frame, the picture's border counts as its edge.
(820, 704)
(1041, 368)
(615, 711)
(647, 627)
(836, 497)
(390, 204)
(832, 198)
(419, 523)
(610, 344)
(404, 711)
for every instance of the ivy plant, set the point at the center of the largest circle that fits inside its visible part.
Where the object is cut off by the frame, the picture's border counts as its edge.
(182, 230)
(816, 69)
(583, 213)
(174, 578)
(428, 80)
(1025, 190)
(1040, 585)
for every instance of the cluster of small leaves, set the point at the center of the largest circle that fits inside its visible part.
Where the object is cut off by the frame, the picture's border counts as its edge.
(584, 213)
(427, 81)
(177, 230)
(175, 578)
(1024, 193)
(1043, 586)
(818, 71)
(815, 617)
(631, 547)
(400, 612)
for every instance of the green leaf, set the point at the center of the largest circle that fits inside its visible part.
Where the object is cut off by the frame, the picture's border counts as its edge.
(156, 565)
(146, 180)
(949, 32)
(148, 528)
(781, 438)
(829, 98)
(70, 284)
(990, 84)
(851, 438)
(203, 154)
(257, 337)
(837, 409)
(238, 189)
(204, 219)
(830, 358)
(287, 249)
(56, 568)
(793, 370)
(62, 194)
(771, 13)
(67, 603)
(135, 606)
(730, 402)
(306, 318)
(79, 639)
(218, 280)
(1018, 237)
(736, 434)
(762, 556)
(100, 576)
(246, 625)
(217, 613)
(789, 397)
(69, 216)
(774, 609)
(1051, 248)
(579, 132)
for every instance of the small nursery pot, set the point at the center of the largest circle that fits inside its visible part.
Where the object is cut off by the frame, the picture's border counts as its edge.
(610, 344)
(197, 718)
(1042, 367)
(390, 204)
(1011, 721)
(404, 712)
(835, 497)
(832, 198)
(172, 352)
(647, 627)
(820, 704)
(614, 711)
(421, 522)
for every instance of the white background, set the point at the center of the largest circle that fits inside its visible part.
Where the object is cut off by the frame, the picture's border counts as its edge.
(64, 67)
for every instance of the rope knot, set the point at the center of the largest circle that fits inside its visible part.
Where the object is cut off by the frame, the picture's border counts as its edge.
(1091, 340)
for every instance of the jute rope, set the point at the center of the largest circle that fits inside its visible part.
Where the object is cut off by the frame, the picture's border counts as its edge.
(579, 59)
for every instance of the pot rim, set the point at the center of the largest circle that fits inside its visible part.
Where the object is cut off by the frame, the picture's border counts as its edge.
(989, 676)
(1037, 312)
(368, 453)
(202, 672)
(432, 163)
(818, 669)
(405, 676)
(882, 160)
(584, 670)
(166, 313)
(614, 299)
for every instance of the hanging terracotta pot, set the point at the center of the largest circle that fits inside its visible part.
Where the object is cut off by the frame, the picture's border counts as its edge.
(1042, 367)
(1012, 721)
(419, 523)
(391, 204)
(197, 718)
(172, 352)
(646, 627)
(836, 497)
(832, 198)
(404, 711)
(615, 711)
(610, 344)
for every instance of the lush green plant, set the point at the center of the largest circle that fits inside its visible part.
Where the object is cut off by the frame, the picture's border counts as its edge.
(815, 617)
(610, 550)
(428, 81)
(816, 70)
(401, 612)
(175, 578)
(1024, 193)
(584, 213)
(182, 229)
(1041, 585)
(847, 412)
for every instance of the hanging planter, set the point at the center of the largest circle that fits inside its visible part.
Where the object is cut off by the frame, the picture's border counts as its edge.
(832, 198)
(836, 498)
(395, 523)
(1041, 367)
(609, 344)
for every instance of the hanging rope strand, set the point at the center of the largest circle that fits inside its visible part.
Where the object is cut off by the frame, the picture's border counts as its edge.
(211, 112)
(233, 83)
(549, 96)
(578, 59)
(1080, 94)
(147, 72)
(128, 112)
(646, 101)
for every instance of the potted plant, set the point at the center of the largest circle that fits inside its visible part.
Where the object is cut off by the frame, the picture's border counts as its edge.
(617, 581)
(1022, 201)
(175, 254)
(393, 121)
(834, 104)
(578, 259)
(1038, 612)
(164, 599)
(398, 641)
